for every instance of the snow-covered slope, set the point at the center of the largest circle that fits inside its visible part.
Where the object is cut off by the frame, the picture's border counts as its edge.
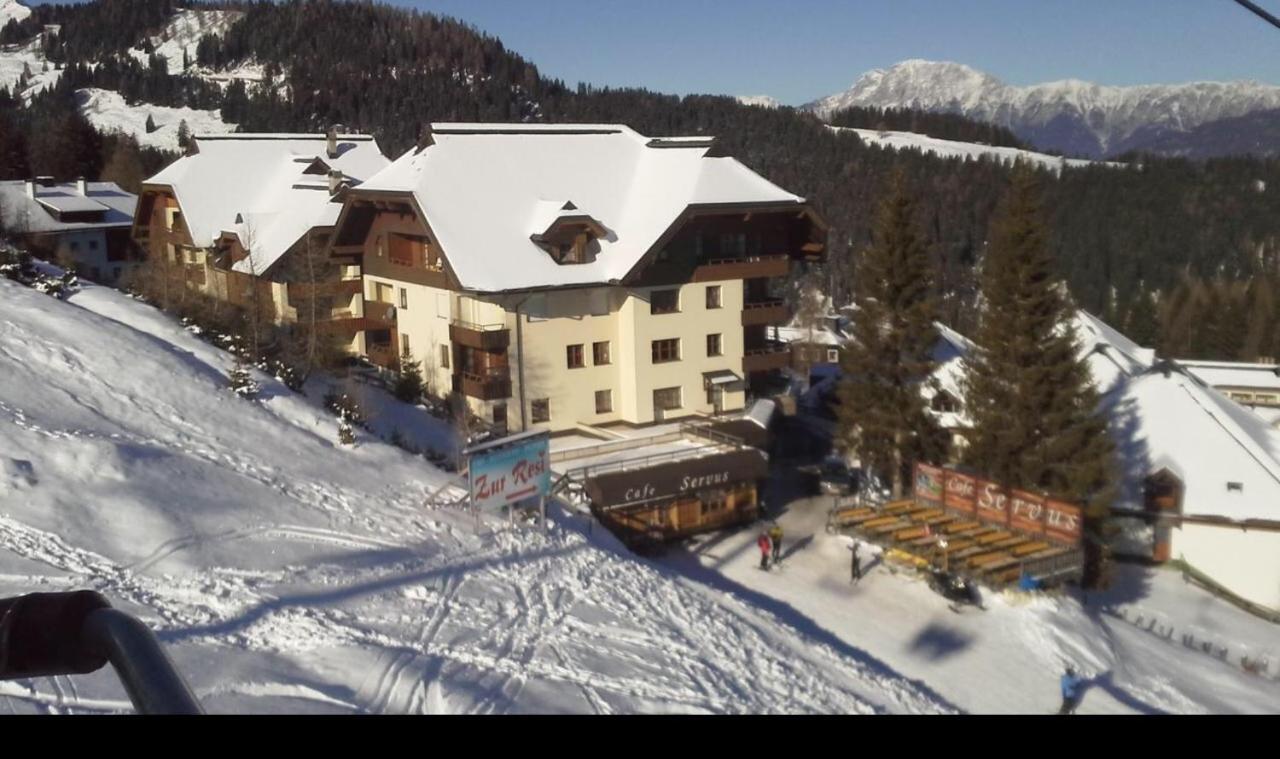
(285, 573)
(28, 58)
(183, 33)
(12, 10)
(108, 112)
(954, 149)
(1071, 115)
(766, 101)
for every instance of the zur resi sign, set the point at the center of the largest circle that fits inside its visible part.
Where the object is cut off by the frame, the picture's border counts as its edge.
(508, 471)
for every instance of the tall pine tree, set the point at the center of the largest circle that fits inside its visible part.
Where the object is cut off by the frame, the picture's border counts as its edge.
(883, 416)
(1035, 417)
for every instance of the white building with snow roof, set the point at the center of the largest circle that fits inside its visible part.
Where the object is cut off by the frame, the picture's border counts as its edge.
(81, 224)
(240, 209)
(567, 275)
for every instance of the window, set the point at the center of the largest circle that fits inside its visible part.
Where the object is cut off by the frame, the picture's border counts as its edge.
(667, 398)
(75, 246)
(666, 350)
(404, 298)
(93, 245)
(600, 353)
(713, 296)
(604, 401)
(541, 410)
(714, 501)
(833, 356)
(444, 357)
(115, 272)
(664, 302)
(574, 356)
(500, 414)
(404, 345)
(713, 345)
(382, 292)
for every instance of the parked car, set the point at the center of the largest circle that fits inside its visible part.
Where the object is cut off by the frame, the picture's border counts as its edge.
(835, 478)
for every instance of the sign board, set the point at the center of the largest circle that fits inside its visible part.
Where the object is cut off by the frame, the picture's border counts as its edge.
(679, 478)
(993, 503)
(1063, 521)
(1022, 510)
(1026, 511)
(929, 483)
(507, 471)
(961, 492)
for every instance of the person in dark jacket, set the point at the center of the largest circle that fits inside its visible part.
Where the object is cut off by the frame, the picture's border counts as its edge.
(1070, 692)
(765, 547)
(855, 566)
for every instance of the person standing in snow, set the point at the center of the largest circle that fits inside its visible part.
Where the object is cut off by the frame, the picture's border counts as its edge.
(855, 566)
(765, 547)
(775, 538)
(1070, 692)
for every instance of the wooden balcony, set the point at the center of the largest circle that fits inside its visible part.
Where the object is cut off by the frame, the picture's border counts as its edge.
(776, 356)
(347, 287)
(491, 387)
(379, 314)
(383, 355)
(765, 312)
(749, 267)
(487, 337)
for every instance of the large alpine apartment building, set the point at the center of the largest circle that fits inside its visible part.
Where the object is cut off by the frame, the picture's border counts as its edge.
(566, 276)
(238, 211)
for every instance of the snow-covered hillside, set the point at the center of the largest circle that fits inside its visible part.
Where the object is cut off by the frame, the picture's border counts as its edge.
(181, 36)
(12, 10)
(954, 149)
(766, 101)
(285, 573)
(108, 112)
(1071, 115)
(28, 58)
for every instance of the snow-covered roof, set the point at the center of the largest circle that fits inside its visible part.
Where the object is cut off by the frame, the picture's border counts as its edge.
(486, 188)
(1111, 355)
(816, 336)
(1170, 420)
(254, 186)
(1232, 374)
(38, 215)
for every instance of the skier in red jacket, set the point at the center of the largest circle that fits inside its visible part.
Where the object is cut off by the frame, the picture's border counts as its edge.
(766, 547)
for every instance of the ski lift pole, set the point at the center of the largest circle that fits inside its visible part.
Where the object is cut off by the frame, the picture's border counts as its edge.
(49, 634)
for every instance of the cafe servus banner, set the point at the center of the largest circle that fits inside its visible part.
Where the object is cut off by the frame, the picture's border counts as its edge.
(995, 504)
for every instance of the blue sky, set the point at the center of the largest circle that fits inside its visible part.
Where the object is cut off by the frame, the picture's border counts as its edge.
(798, 50)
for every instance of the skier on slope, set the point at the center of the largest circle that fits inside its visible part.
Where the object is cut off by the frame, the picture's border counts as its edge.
(1070, 684)
(855, 566)
(775, 537)
(765, 546)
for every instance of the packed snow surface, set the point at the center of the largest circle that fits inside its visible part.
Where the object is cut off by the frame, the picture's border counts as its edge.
(285, 573)
(108, 111)
(27, 58)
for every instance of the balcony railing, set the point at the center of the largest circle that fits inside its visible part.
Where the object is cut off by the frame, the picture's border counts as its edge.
(488, 337)
(765, 312)
(383, 355)
(493, 386)
(379, 314)
(774, 356)
(745, 267)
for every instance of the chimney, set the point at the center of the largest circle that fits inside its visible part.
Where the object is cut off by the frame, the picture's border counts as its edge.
(335, 181)
(82, 187)
(332, 138)
(31, 188)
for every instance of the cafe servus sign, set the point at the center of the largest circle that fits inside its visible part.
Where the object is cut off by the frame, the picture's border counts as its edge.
(678, 478)
(996, 504)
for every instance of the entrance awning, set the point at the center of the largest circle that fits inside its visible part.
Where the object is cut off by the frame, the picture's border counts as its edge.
(722, 378)
(678, 478)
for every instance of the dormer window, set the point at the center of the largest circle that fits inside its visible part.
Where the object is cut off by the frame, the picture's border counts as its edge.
(569, 234)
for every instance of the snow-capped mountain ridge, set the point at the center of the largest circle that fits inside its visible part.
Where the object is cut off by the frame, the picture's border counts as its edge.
(12, 10)
(1070, 114)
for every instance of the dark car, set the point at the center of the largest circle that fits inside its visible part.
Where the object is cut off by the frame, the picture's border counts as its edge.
(835, 478)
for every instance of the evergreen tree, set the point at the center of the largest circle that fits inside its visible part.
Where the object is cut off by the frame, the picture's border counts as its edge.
(184, 134)
(241, 381)
(883, 418)
(151, 124)
(1035, 416)
(409, 385)
(1143, 324)
(124, 167)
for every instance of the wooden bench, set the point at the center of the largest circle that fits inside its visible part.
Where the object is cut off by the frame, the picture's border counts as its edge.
(965, 526)
(995, 537)
(1030, 548)
(983, 560)
(896, 507)
(926, 514)
(845, 517)
(882, 529)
